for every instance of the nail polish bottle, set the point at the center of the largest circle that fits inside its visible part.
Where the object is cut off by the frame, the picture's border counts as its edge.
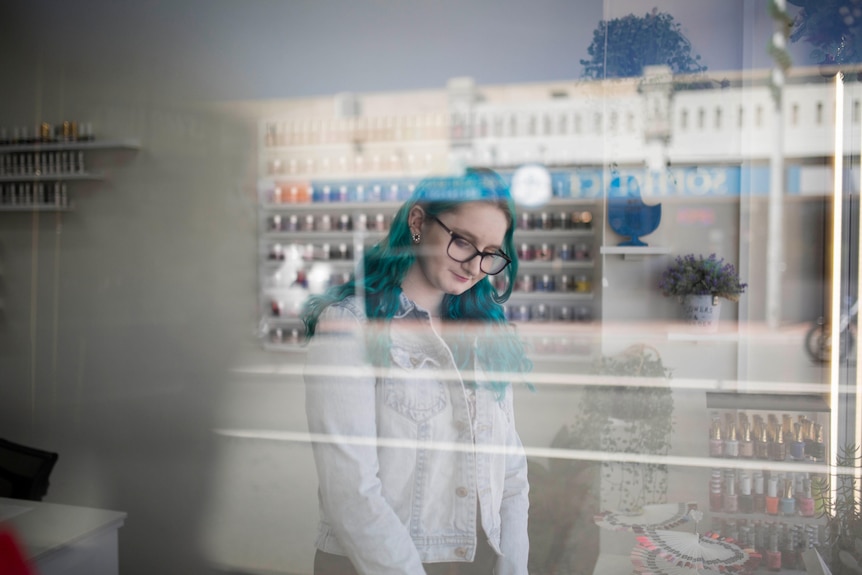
(772, 496)
(818, 448)
(773, 555)
(788, 503)
(746, 499)
(746, 536)
(797, 446)
(787, 426)
(806, 502)
(761, 537)
(729, 498)
(777, 447)
(715, 502)
(731, 444)
(759, 495)
(746, 445)
(716, 444)
(761, 445)
(789, 553)
(731, 530)
(807, 435)
(806, 542)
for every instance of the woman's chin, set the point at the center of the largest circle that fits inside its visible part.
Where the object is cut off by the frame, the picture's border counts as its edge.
(459, 289)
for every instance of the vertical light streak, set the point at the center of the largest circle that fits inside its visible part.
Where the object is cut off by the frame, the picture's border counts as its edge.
(775, 217)
(835, 303)
(857, 424)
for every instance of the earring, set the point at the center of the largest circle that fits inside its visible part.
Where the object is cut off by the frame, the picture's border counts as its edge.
(416, 237)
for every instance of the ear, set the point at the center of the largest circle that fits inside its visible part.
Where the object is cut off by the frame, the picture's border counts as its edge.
(415, 219)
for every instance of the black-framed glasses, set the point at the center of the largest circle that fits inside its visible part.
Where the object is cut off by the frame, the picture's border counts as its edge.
(462, 250)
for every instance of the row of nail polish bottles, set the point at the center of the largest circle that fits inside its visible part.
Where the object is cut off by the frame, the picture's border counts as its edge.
(733, 491)
(766, 439)
(779, 544)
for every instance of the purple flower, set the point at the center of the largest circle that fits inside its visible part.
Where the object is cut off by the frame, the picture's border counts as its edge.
(696, 275)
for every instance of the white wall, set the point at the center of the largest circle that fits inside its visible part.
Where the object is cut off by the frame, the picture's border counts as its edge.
(123, 316)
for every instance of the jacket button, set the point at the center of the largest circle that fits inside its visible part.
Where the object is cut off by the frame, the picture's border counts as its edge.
(461, 492)
(461, 552)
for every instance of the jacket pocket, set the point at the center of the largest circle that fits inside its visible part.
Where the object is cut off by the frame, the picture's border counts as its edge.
(412, 386)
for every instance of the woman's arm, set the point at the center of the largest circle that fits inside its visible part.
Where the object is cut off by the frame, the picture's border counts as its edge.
(514, 542)
(340, 406)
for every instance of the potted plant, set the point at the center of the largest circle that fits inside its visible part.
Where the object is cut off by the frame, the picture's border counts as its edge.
(698, 283)
(842, 549)
(629, 417)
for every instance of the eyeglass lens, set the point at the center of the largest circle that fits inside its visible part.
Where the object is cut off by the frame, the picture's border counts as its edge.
(462, 250)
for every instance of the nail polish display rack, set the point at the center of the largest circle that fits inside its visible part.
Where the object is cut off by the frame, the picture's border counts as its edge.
(36, 170)
(301, 240)
(766, 489)
(313, 233)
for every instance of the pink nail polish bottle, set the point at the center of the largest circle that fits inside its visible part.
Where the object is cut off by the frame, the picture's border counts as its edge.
(806, 502)
(773, 555)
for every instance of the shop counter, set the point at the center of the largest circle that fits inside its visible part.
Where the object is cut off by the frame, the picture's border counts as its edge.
(65, 539)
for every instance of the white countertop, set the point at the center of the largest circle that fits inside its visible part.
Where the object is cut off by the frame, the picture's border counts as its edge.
(46, 528)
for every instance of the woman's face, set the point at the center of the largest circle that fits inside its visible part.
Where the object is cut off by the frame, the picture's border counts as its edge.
(482, 224)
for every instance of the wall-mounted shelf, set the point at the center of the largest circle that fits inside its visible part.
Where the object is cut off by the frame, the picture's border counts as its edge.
(55, 177)
(788, 402)
(550, 297)
(634, 252)
(37, 208)
(295, 207)
(555, 264)
(694, 335)
(130, 144)
(34, 175)
(550, 235)
(334, 235)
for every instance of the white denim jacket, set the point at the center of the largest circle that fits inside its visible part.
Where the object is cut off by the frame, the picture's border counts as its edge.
(402, 470)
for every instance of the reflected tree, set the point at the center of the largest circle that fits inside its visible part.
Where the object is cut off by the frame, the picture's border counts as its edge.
(621, 47)
(832, 27)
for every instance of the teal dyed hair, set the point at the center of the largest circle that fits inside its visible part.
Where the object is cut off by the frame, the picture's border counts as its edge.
(386, 263)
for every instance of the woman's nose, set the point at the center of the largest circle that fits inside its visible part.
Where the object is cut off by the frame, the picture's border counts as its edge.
(474, 265)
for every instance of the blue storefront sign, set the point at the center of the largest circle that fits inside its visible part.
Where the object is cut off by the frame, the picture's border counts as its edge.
(592, 183)
(699, 181)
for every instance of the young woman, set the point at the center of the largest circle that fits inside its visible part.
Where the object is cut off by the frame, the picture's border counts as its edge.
(408, 395)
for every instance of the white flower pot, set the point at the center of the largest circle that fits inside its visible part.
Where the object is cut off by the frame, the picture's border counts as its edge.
(701, 312)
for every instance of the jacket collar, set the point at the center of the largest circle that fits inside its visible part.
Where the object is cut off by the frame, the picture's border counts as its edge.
(407, 307)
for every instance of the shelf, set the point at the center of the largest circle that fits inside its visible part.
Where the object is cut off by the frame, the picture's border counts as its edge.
(58, 177)
(349, 207)
(283, 321)
(550, 297)
(703, 335)
(391, 206)
(554, 234)
(796, 518)
(68, 146)
(284, 347)
(554, 265)
(634, 252)
(307, 237)
(786, 402)
(36, 208)
(275, 265)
